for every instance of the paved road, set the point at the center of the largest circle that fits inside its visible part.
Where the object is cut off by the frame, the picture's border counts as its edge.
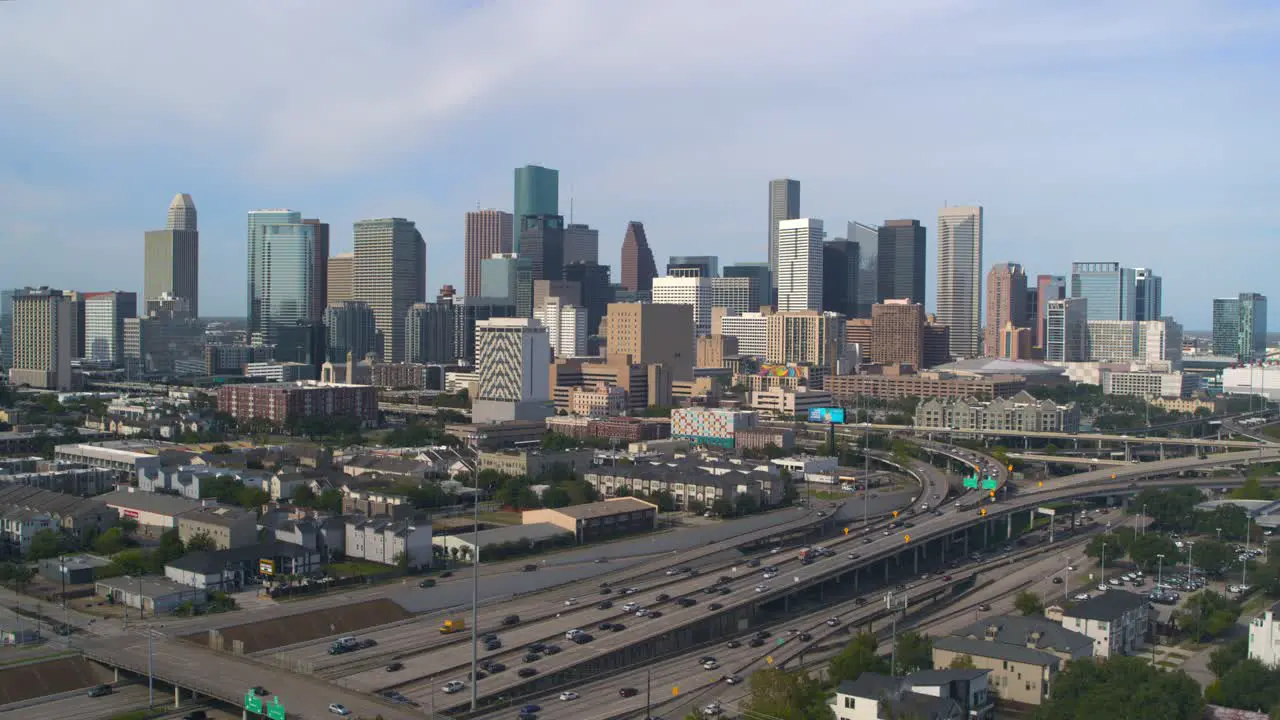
(82, 707)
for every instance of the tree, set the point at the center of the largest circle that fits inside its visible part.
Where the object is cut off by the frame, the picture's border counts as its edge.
(304, 496)
(1206, 615)
(786, 695)
(1225, 657)
(1146, 549)
(1122, 687)
(1028, 603)
(171, 546)
(745, 504)
(963, 662)
(857, 657)
(1171, 509)
(1247, 685)
(1212, 556)
(914, 652)
(722, 507)
(201, 541)
(110, 542)
(330, 500)
(1114, 546)
(128, 525)
(46, 544)
(697, 507)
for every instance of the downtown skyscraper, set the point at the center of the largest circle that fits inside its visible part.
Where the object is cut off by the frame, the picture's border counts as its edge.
(784, 204)
(900, 261)
(282, 277)
(800, 264)
(390, 275)
(638, 266)
(487, 233)
(1006, 303)
(537, 192)
(960, 277)
(171, 257)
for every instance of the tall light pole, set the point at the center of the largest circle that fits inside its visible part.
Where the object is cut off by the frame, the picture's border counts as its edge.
(475, 594)
(1160, 572)
(1143, 520)
(1191, 569)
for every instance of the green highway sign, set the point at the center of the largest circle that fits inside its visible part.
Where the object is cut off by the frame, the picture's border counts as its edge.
(275, 710)
(252, 703)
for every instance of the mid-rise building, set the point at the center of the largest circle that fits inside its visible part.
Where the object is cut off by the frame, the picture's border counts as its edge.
(709, 426)
(784, 204)
(807, 337)
(653, 334)
(694, 292)
(894, 386)
(508, 278)
(429, 333)
(599, 401)
(164, 342)
(928, 695)
(799, 264)
(1022, 654)
(512, 357)
(537, 192)
(390, 276)
(734, 294)
(840, 270)
(897, 333)
(1148, 299)
(487, 233)
(750, 330)
(1067, 330)
(284, 405)
(105, 313)
(1048, 287)
(960, 277)
(713, 350)
(593, 282)
(707, 266)
(1130, 340)
(1147, 384)
(44, 339)
(581, 244)
(900, 263)
(1015, 343)
(760, 282)
(467, 311)
(638, 266)
(350, 329)
(171, 257)
(1264, 637)
(319, 268)
(566, 326)
(1006, 303)
(341, 286)
(1022, 412)
(1111, 290)
(1117, 622)
(789, 403)
(645, 384)
(1240, 326)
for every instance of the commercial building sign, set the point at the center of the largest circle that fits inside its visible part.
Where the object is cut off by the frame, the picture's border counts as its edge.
(826, 415)
(266, 567)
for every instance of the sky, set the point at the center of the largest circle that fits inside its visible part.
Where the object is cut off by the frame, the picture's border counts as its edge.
(1136, 131)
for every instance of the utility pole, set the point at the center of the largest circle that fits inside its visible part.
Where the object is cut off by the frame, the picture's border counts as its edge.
(893, 615)
(475, 594)
(648, 694)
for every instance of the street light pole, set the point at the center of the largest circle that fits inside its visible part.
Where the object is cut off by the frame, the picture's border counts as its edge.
(475, 594)
(151, 675)
(1160, 573)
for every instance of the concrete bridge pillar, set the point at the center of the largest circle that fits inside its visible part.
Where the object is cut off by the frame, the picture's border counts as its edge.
(1031, 521)
(117, 679)
(1161, 451)
(886, 570)
(1008, 526)
(986, 533)
(1128, 452)
(177, 696)
(966, 543)
(915, 561)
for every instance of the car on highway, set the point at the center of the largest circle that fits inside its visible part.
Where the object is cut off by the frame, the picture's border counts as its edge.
(571, 634)
(755, 642)
(99, 690)
(733, 679)
(606, 591)
(617, 627)
(866, 540)
(753, 563)
(725, 589)
(530, 567)
(642, 612)
(338, 709)
(733, 644)
(393, 667)
(583, 639)
(428, 583)
(946, 578)
(984, 607)
(511, 620)
(860, 601)
(551, 650)
(494, 667)
(604, 605)
(673, 571)
(854, 556)
(1078, 597)
(833, 621)
(662, 597)
(494, 644)
(1057, 580)
(761, 588)
(770, 575)
(631, 607)
(805, 637)
(527, 672)
(686, 602)
(532, 657)
(571, 601)
(628, 692)
(712, 709)
(603, 626)
(1102, 587)
(714, 606)
(531, 709)
(569, 695)
(711, 665)
(453, 686)
(260, 691)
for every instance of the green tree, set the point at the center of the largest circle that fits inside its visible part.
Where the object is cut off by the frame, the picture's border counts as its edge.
(915, 652)
(1247, 685)
(110, 542)
(1113, 543)
(786, 695)
(1170, 509)
(201, 541)
(46, 544)
(171, 546)
(857, 657)
(1028, 603)
(722, 507)
(963, 662)
(745, 504)
(304, 496)
(1206, 615)
(1212, 556)
(1146, 549)
(330, 500)
(1122, 687)
(1225, 657)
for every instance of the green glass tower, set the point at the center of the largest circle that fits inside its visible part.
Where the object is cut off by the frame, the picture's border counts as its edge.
(537, 193)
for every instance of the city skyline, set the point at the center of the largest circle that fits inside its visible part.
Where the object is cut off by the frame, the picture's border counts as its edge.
(698, 190)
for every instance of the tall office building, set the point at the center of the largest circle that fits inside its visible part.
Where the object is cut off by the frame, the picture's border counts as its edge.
(593, 282)
(537, 193)
(692, 291)
(750, 330)
(429, 333)
(960, 278)
(171, 257)
(467, 311)
(653, 334)
(1048, 287)
(1006, 303)
(1226, 327)
(320, 268)
(734, 294)
(512, 358)
(761, 282)
(806, 337)
(281, 277)
(390, 275)
(867, 239)
(784, 204)
(1109, 288)
(6, 331)
(900, 261)
(542, 242)
(1067, 330)
(799, 263)
(43, 339)
(487, 232)
(638, 267)
(105, 313)
(1148, 296)
(897, 333)
(581, 244)
(1240, 326)
(350, 329)
(840, 268)
(566, 326)
(303, 342)
(708, 266)
(340, 287)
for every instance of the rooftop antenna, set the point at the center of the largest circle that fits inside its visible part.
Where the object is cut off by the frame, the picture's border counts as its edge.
(570, 204)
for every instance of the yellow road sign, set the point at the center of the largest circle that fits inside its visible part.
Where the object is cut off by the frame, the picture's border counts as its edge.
(895, 513)
(769, 659)
(675, 691)
(846, 531)
(906, 538)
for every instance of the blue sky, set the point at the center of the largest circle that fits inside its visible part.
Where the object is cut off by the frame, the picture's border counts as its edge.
(1140, 132)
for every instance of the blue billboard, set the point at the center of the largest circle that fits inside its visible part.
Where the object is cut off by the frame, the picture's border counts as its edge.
(827, 415)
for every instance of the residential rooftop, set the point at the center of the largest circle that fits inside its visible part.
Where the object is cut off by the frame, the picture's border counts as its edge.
(1108, 606)
(605, 508)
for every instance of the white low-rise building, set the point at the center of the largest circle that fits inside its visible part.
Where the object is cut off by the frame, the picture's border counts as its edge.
(1117, 621)
(1264, 637)
(383, 541)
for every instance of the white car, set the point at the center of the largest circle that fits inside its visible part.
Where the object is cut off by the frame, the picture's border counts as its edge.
(568, 695)
(1081, 596)
(711, 709)
(711, 665)
(571, 634)
(642, 612)
(770, 575)
(631, 607)
(338, 709)
(1102, 587)
(761, 588)
(454, 686)
(672, 571)
(571, 601)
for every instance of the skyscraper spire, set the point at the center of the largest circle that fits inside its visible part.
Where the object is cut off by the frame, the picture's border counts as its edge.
(182, 213)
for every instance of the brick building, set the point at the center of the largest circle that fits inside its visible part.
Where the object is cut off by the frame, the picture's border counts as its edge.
(283, 404)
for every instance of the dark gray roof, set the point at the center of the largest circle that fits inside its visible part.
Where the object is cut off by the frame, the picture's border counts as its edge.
(1014, 630)
(159, 503)
(1109, 606)
(943, 677)
(207, 562)
(870, 685)
(896, 694)
(983, 648)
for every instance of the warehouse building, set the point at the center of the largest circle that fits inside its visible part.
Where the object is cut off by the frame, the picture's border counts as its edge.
(598, 520)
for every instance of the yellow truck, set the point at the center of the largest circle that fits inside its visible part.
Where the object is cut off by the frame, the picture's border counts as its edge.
(453, 626)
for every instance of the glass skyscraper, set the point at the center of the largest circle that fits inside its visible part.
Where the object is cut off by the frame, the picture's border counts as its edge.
(1240, 326)
(1110, 289)
(537, 193)
(281, 268)
(6, 328)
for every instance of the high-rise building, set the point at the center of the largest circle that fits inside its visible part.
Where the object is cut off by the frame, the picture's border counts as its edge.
(390, 275)
(734, 294)
(167, 341)
(900, 261)
(1006, 303)
(467, 311)
(429, 333)
(508, 277)
(750, 330)
(1067, 330)
(761, 282)
(867, 239)
(6, 330)
(340, 288)
(1226, 327)
(320, 268)
(692, 291)
(1240, 326)
(1145, 341)
(806, 337)
(43, 339)
(1048, 287)
(542, 241)
(281, 277)
(638, 268)
(593, 280)
(537, 193)
(304, 342)
(784, 204)
(960, 278)
(1148, 297)
(1109, 288)
(653, 334)
(581, 244)
(566, 326)
(512, 360)
(487, 233)
(171, 257)
(708, 266)
(350, 328)
(105, 313)
(897, 333)
(799, 262)
(840, 268)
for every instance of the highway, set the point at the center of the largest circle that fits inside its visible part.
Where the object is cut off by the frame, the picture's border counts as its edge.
(79, 706)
